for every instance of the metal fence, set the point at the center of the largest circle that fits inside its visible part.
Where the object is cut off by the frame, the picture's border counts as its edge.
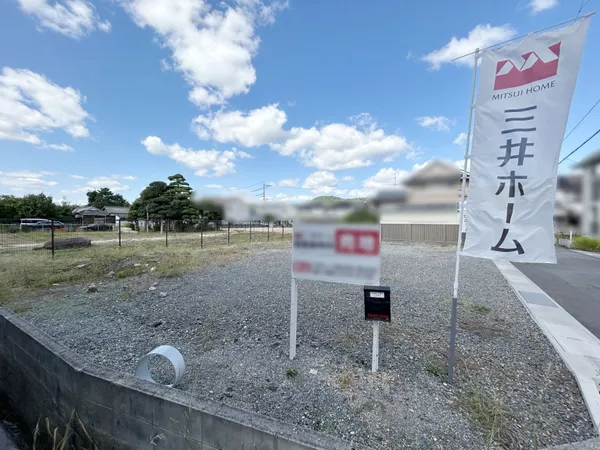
(419, 232)
(54, 235)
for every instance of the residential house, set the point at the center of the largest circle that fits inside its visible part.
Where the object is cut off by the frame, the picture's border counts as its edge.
(590, 194)
(109, 214)
(430, 196)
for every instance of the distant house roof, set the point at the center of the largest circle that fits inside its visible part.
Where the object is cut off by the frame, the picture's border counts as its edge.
(592, 159)
(116, 210)
(435, 170)
(81, 209)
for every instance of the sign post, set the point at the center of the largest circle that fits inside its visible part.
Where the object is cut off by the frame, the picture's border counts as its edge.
(293, 318)
(375, 357)
(377, 309)
(338, 253)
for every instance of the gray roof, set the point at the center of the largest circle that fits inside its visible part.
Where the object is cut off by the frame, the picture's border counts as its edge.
(593, 159)
(80, 209)
(117, 210)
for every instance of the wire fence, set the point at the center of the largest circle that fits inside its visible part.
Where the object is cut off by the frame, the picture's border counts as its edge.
(51, 235)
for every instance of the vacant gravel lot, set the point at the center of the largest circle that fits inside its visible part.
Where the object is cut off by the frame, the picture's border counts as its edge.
(231, 324)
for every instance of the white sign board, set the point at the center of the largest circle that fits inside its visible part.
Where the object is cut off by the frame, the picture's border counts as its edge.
(336, 252)
(521, 112)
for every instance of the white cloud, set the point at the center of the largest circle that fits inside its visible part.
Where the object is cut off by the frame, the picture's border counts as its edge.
(77, 177)
(542, 5)
(251, 129)
(25, 181)
(288, 182)
(213, 186)
(481, 36)
(362, 120)
(461, 139)
(73, 18)
(30, 103)
(323, 183)
(61, 147)
(338, 146)
(110, 182)
(281, 197)
(440, 123)
(203, 162)
(335, 146)
(212, 48)
(385, 178)
(348, 178)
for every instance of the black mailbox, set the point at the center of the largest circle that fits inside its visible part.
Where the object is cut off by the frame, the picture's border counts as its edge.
(377, 303)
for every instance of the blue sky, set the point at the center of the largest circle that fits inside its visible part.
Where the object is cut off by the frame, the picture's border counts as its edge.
(314, 97)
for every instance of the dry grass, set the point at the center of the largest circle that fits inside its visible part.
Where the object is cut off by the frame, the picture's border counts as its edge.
(490, 414)
(27, 272)
(347, 379)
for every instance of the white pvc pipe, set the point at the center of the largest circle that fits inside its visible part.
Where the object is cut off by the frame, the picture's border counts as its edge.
(165, 351)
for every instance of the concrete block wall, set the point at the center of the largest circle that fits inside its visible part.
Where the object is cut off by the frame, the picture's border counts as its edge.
(43, 379)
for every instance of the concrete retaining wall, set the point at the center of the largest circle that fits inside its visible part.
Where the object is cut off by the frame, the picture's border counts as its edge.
(42, 378)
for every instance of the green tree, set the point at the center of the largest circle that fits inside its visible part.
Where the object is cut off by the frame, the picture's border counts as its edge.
(210, 210)
(105, 197)
(179, 193)
(36, 205)
(9, 206)
(153, 200)
(64, 210)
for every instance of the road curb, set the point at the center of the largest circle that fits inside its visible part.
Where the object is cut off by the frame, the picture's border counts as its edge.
(590, 254)
(578, 348)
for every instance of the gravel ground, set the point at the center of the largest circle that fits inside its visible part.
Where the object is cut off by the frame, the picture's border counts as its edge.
(231, 324)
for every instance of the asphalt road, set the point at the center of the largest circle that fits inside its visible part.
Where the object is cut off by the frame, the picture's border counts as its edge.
(574, 283)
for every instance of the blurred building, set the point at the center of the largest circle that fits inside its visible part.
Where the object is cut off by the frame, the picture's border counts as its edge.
(430, 196)
(568, 207)
(590, 194)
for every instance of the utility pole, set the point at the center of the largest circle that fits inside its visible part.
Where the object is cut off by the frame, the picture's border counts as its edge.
(264, 191)
(147, 218)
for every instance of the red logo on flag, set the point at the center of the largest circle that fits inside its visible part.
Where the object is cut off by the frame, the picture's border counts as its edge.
(533, 67)
(358, 242)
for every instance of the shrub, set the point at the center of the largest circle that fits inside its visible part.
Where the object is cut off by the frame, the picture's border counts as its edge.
(127, 225)
(586, 243)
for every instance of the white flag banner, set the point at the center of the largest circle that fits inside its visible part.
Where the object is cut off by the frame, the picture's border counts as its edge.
(525, 92)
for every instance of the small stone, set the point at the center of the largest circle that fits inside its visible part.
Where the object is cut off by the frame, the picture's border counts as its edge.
(137, 265)
(158, 323)
(313, 371)
(81, 266)
(92, 288)
(155, 283)
(110, 274)
(152, 269)
(163, 294)
(152, 288)
(55, 284)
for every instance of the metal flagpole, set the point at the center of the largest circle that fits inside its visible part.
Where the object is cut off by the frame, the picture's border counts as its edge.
(460, 226)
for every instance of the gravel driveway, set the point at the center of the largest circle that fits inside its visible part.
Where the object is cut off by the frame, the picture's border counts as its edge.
(231, 324)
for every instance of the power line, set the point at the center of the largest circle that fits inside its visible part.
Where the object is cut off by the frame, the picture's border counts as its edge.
(520, 37)
(584, 142)
(581, 7)
(586, 114)
(247, 187)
